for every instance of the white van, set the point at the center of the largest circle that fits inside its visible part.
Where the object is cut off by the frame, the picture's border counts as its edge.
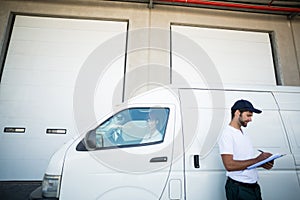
(117, 160)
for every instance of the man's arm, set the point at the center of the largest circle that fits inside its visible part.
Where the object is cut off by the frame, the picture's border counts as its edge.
(236, 165)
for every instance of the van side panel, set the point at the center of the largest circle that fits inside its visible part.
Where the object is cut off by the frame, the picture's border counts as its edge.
(207, 181)
(267, 132)
(139, 171)
(290, 111)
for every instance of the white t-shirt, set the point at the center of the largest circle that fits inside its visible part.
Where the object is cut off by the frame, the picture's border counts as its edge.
(238, 144)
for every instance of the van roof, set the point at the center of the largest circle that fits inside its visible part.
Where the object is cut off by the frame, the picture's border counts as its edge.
(262, 88)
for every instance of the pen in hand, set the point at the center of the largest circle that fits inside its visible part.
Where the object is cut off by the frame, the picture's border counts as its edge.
(264, 152)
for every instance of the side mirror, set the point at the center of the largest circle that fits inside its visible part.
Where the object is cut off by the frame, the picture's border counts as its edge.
(93, 141)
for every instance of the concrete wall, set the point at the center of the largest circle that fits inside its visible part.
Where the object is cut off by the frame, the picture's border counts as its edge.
(286, 33)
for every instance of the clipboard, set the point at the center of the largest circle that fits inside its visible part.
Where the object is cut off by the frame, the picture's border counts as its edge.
(273, 157)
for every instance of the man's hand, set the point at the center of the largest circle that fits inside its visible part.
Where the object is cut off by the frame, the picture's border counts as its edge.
(268, 165)
(263, 156)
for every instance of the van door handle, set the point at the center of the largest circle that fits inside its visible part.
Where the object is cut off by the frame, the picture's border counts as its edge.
(159, 159)
(196, 161)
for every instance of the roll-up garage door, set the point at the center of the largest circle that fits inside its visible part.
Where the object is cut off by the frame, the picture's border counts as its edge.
(46, 57)
(229, 57)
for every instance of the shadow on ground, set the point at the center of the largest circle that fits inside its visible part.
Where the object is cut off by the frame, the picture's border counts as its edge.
(11, 190)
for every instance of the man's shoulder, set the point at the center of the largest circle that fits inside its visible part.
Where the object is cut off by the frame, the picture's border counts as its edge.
(228, 129)
(228, 132)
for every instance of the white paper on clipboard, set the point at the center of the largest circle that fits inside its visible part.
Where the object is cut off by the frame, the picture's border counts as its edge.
(273, 157)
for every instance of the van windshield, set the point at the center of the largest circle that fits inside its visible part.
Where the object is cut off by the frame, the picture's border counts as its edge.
(130, 127)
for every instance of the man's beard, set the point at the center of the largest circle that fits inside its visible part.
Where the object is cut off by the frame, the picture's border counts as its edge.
(242, 123)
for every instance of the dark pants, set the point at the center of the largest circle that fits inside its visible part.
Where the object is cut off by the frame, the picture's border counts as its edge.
(242, 191)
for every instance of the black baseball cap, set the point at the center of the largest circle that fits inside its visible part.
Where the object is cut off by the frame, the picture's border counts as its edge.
(244, 105)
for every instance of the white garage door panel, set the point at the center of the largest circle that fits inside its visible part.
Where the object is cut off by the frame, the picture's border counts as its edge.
(48, 49)
(65, 25)
(39, 77)
(11, 93)
(43, 61)
(68, 24)
(62, 35)
(33, 62)
(37, 110)
(240, 57)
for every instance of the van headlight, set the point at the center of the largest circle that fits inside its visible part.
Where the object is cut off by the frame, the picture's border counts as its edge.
(51, 185)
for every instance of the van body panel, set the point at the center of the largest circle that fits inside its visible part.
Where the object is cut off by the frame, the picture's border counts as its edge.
(106, 181)
(288, 100)
(187, 164)
(56, 163)
(131, 172)
(279, 184)
(266, 131)
(289, 110)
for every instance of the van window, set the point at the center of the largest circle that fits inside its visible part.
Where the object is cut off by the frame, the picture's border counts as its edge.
(130, 127)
